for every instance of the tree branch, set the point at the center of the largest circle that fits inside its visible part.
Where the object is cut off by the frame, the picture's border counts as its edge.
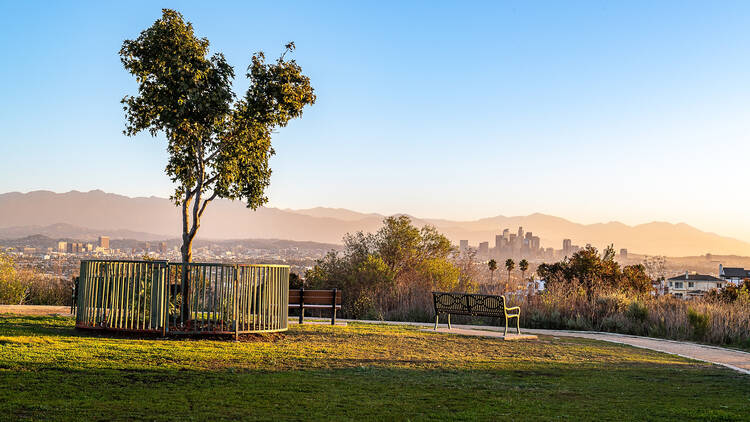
(203, 207)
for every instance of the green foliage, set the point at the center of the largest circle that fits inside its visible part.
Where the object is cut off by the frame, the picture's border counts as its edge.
(27, 287)
(492, 265)
(699, 321)
(395, 269)
(510, 264)
(637, 312)
(218, 146)
(295, 282)
(591, 272)
(523, 265)
(12, 290)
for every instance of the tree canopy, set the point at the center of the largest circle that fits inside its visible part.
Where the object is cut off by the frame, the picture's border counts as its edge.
(590, 271)
(218, 145)
(387, 271)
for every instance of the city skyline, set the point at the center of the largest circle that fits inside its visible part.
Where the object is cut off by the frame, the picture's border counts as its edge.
(461, 123)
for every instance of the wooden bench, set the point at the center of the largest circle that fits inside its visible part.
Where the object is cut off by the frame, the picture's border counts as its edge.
(315, 299)
(474, 305)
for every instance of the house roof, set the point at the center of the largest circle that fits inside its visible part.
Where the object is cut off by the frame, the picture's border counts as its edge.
(736, 272)
(694, 277)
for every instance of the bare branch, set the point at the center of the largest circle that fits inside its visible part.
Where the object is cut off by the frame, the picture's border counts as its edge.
(203, 207)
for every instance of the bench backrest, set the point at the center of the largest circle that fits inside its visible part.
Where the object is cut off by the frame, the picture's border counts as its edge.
(314, 297)
(468, 304)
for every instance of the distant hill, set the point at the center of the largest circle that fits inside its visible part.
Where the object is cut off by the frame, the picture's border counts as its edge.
(86, 215)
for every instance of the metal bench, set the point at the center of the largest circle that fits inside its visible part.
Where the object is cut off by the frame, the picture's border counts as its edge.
(315, 299)
(474, 305)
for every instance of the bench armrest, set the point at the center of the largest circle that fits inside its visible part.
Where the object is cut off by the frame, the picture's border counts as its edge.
(513, 308)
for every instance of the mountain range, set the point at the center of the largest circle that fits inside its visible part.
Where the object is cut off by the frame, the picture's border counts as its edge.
(86, 215)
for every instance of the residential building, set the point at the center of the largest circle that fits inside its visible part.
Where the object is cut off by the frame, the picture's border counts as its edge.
(690, 285)
(734, 275)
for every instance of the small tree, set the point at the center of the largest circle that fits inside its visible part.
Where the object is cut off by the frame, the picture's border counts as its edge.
(218, 146)
(509, 265)
(523, 265)
(492, 265)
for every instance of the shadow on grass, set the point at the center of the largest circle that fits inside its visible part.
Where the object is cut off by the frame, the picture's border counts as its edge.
(65, 327)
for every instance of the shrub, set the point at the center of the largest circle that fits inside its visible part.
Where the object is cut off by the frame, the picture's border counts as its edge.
(637, 312)
(699, 321)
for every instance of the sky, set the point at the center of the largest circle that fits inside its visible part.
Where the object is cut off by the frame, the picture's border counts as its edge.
(592, 111)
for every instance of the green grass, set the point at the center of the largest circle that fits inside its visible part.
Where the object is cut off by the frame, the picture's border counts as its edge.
(48, 370)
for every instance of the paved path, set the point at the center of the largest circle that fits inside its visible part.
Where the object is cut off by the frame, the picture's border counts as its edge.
(734, 359)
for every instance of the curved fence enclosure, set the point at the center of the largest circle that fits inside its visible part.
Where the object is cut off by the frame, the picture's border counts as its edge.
(148, 296)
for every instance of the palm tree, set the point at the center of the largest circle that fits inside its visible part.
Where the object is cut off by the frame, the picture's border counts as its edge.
(492, 264)
(509, 265)
(523, 265)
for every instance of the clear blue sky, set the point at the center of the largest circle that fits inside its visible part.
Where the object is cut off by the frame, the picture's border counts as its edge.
(593, 111)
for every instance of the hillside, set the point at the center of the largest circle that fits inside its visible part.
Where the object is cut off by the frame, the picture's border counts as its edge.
(88, 214)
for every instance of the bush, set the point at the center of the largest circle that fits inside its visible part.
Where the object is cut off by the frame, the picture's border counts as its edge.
(27, 287)
(637, 312)
(699, 321)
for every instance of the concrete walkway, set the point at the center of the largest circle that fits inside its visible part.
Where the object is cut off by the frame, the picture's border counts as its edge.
(734, 359)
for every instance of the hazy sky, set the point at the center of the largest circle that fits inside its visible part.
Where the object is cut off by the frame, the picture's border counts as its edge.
(592, 111)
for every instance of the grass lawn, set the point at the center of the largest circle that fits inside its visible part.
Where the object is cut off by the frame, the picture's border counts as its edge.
(48, 370)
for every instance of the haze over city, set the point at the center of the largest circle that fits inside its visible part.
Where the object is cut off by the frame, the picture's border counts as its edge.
(632, 112)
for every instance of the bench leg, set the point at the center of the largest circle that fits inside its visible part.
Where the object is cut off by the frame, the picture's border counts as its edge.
(333, 318)
(436, 320)
(301, 314)
(518, 324)
(505, 333)
(449, 321)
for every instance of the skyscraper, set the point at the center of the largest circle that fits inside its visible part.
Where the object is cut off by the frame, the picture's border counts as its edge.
(104, 242)
(463, 246)
(567, 246)
(484, 249)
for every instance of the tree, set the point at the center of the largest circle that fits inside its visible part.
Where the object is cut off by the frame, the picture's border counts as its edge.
(509, 265)
(492, 265)
(390, 272)
(219, 146)
(523, 265)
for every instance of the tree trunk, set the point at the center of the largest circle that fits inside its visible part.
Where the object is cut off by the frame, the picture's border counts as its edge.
(187, 257)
